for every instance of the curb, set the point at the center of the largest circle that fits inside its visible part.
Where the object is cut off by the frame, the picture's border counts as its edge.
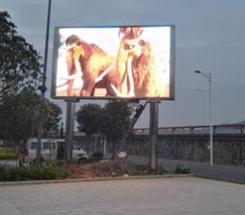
(36, 182)
(222, 179)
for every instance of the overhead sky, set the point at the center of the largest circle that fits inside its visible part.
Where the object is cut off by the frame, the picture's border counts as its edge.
(210, 36)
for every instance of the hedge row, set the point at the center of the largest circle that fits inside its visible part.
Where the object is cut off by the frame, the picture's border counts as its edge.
(33, 172)
(7, 155)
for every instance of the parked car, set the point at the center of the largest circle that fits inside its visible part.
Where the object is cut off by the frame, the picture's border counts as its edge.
(79, 154)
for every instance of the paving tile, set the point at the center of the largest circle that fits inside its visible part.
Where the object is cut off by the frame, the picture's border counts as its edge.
(170, 196)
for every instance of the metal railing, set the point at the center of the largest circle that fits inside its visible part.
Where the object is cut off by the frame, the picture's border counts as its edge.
(196, 129)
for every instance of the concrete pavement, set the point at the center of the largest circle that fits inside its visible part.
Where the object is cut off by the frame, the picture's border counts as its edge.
(170, 196)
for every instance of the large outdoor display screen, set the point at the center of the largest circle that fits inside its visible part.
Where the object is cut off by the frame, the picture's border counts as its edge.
(114, 62)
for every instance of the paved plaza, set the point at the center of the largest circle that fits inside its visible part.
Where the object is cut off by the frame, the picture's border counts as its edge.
(170, 196)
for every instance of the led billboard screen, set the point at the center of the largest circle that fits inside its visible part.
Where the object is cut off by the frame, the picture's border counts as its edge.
(110, 62)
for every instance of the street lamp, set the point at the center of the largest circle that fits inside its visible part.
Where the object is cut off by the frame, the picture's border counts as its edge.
(43, 87)
(202, 92)
(208, 76)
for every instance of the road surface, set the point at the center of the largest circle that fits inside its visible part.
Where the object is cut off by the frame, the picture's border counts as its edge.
(227, 173)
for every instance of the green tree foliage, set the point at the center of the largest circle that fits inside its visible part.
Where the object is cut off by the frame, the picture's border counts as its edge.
(116, 121)
(21, 114)
(113, 120)
(19, 61)
(89, 121)
(53, 117)
(89, 118)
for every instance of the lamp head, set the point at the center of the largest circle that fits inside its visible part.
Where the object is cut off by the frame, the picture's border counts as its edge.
(197, 71)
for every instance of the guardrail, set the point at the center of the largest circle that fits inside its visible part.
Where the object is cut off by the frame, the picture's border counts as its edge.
(238, 129)
(196, 129)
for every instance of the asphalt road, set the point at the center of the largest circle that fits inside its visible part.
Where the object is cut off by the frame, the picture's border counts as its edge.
(227, 173)
(167, 196)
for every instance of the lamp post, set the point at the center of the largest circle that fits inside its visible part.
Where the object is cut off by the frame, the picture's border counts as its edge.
(43, 87)
(208, 76)
(203, 101)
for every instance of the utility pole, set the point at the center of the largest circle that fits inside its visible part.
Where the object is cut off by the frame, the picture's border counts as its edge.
(208, 76)
(43, 87)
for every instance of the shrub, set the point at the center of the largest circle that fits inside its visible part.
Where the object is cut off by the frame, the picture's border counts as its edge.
(55, 163)
(7, 155)
(97, 156)
(182, 170)
(110, 168)
(117, 167)
(34, 172)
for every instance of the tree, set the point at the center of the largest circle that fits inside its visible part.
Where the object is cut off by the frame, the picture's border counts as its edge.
(113, 120)
(21, 114)
(19, 61)
(116, 121)
(89, 120)
(53, 117)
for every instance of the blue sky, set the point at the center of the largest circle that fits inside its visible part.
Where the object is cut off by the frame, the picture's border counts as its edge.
(210, 36)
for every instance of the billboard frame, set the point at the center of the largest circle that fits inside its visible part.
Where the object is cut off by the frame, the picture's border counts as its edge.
(172, 66)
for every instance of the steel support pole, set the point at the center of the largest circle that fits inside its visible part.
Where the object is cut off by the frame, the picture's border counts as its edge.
(209, 78)
(154, 110)
(43, 87)
(70, 111)
(210, 119)
(39, 142)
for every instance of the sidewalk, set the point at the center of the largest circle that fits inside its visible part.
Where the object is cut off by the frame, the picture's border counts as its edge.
(170, 196)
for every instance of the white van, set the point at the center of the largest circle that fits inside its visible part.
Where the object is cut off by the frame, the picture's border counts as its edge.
(49, 149)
